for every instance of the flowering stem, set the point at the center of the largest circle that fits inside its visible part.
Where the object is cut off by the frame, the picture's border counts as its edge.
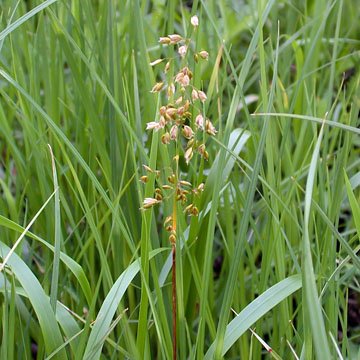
(174, 218)
(174, 300)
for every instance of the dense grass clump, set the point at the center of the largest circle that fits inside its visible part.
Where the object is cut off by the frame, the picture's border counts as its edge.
(267, 241)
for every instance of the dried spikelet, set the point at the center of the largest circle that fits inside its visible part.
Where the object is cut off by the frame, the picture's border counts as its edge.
(172, 239)
(152, 125)
(186, 105)
(147, 168)
(188, 155)
(210, 128)
(165, 138)
(204, 54)
(170, 90)
(186, 183)
(157, 87)
(175, 38)
(201, 149)
(155, 62)
(165, 40)
(144, 179)
(148, 203)
(162, 110)
(167, 67)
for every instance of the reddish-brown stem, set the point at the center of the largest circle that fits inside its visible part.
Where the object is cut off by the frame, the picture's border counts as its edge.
(174, 300)
(173, 244)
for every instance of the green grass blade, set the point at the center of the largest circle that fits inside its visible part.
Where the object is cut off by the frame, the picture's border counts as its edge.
(73, 266)
(109, 307)
(39, 301)
(313, 311)
(25, 18)
(255, 310)
(57, 238)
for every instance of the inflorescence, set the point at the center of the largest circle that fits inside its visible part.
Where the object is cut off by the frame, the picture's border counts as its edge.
(180, 119)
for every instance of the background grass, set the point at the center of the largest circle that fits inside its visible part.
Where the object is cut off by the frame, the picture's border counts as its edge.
(277, 237)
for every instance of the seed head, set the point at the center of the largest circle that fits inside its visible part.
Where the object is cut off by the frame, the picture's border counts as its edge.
(155, 62)
(188, 155)
(172, 239)
(204, 54)
(170, 90)
(181, 110)
(173, 132)
(186, 81)
(147, 168)
(186, 183)
(161, 122)
(186, 105)
(171, 111)
(201, 149)
(144, 179)
(152, 125)
(188, 132)
(165, 138)
(210, 128)
(175, 38)
(167, 67)
(148, 203)
(157, 87)
(182, 50)
(171, 179)
(199, 122)
(194, 21)
(202, 96)
(179, 76)
(164, 40)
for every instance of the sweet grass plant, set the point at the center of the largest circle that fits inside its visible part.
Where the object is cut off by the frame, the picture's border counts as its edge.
(265, 160)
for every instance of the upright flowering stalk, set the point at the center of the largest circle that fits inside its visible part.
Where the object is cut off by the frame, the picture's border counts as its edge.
(183, 123)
